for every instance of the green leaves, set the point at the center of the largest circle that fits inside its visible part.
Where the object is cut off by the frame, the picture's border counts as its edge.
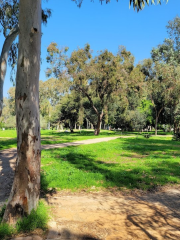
(137, 4)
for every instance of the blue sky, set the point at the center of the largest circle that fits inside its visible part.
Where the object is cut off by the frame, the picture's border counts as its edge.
(105, 26)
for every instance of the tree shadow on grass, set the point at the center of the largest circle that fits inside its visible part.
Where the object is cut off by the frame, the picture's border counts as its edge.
(78, 133)
(7, 143)
(146, 176)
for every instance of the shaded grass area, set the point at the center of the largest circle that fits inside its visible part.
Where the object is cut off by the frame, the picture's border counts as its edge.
(123, 163)
(7, 143)
(63, 137)
(53, 137)
(36, 219)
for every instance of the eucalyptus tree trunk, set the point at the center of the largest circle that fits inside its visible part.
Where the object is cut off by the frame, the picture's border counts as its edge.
(71, 126)
(98, 126)
(175, 127)
(3, 60)
(24, 195)
(87, 123)
(156, 122)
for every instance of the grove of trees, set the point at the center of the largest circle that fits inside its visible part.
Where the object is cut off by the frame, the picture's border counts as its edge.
(114, 73)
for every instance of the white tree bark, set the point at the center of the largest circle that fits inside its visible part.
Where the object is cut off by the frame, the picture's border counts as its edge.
(25, 190)
(3, 60)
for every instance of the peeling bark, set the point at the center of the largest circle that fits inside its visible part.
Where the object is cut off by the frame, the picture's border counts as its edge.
(3, 61)
(26, 186)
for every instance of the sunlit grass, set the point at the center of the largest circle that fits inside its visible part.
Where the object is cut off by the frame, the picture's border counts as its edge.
(36, 219)
(124, 163)
(53, 137)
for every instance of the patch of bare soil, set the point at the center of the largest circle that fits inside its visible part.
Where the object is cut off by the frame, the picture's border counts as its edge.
(112, 216)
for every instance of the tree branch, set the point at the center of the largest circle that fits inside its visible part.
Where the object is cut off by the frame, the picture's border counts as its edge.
(3, 60)
(90, 100)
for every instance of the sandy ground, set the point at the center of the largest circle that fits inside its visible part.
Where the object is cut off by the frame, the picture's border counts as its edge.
(107, 215)
(115, 216)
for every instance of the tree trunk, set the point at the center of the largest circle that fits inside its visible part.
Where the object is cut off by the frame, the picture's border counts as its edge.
(156, 122)
(3, 61)
(175, 127)
(71, 126)
(87, 122)
(24, 195)
(98, 126)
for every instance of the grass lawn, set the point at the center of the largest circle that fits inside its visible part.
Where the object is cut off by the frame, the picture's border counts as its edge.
(36, 219)
(124, 163)
(8, 137)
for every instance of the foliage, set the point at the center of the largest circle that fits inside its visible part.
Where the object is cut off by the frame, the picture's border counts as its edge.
(167, 57)
(138, 5)
(163, 86)
(146, 108)
(6, 231)
(168, 51)
(137, 119)
(97, 79)
(36, 219)
(9, 18)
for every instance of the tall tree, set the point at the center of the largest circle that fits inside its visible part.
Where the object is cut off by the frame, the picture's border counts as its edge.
(94, 77)
(25, 190)
(168, 53)
(9, 19)
(164, 89)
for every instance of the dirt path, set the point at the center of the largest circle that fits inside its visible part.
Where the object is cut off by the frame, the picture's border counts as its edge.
(104, 215)
(110, 216)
